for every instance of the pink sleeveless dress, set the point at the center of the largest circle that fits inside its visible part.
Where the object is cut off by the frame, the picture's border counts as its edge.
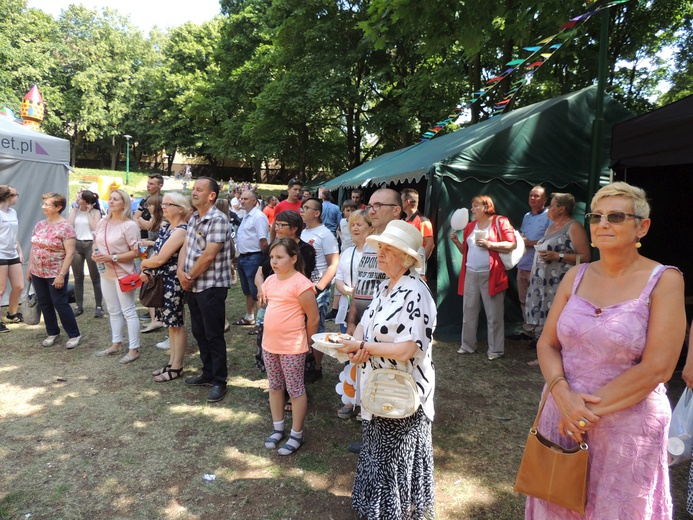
(628, 475)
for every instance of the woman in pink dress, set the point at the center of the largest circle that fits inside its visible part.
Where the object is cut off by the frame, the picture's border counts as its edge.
(614, 332)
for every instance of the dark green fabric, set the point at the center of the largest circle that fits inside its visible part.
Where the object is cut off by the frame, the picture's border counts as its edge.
(547, 143)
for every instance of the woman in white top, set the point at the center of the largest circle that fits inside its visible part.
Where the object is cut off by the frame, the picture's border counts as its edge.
(117, 244)
(11, 257)
(360, 226)
(84, 217)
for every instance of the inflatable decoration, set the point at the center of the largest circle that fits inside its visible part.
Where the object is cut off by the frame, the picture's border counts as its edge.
(7, 113)
(32, 108)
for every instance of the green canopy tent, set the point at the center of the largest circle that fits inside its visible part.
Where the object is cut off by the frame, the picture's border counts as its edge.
(547, 143)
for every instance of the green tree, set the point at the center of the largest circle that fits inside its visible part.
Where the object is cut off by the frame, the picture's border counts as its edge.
(99, 56)
(26, 57)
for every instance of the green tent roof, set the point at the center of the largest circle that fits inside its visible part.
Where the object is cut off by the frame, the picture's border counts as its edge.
(545, 142)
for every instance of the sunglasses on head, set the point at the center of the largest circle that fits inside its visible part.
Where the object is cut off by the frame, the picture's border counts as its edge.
(615, 217)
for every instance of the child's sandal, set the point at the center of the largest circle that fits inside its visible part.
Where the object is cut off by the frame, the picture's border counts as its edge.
(274, 439)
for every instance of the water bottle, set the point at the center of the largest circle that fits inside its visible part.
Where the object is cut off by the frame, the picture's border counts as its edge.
(100, 267)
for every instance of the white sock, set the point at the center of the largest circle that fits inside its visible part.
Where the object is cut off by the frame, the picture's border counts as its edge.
(292, 442)
(274, 439)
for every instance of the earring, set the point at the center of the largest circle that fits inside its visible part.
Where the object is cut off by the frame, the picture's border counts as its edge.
(592, 244)
(638, 245)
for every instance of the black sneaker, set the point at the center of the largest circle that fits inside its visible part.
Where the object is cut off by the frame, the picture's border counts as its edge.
(3, 327)
(520, 337)
(98, 312)
(78, 311)
(331, 315)
(14, 318)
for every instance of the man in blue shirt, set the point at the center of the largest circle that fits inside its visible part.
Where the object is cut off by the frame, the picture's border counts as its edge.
(331, 215)
(534, 225)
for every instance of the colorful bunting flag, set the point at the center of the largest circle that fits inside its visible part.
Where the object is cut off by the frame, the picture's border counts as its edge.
(567, 31)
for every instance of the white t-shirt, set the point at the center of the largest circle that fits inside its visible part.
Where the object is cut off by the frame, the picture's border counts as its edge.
(9, 227)
(477, 258)
(82, 228)
(324, 243)
(347, 272)
(345, 234)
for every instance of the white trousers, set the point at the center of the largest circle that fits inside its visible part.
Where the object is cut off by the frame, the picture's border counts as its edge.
(121, 310)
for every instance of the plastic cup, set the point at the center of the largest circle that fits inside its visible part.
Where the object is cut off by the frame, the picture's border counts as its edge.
(679, 449)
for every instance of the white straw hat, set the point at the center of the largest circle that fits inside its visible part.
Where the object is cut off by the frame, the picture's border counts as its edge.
(402, 236)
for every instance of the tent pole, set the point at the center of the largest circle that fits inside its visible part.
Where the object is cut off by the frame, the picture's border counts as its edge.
(598, 123)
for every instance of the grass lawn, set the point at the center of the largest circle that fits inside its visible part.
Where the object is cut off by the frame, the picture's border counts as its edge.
(84, 437)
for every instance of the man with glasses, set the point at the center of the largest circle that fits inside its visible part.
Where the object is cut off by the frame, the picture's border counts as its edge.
(326, 263)
(204, 270)
(251, 240)
(533, 228)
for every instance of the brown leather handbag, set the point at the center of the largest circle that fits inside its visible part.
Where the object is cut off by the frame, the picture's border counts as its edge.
(551, 472)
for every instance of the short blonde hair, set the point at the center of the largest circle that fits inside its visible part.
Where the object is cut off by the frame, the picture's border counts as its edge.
(359, 213)
(127, 203)
(622, 189)
(180, 199)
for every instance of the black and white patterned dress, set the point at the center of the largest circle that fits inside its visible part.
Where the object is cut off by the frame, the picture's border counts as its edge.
(394, 478)
(171, 314)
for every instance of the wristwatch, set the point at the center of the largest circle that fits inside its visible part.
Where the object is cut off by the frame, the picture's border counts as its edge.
(561, 256)
(115, 259)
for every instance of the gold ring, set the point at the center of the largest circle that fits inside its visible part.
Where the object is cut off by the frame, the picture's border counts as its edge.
(569, 433)
(582, 423)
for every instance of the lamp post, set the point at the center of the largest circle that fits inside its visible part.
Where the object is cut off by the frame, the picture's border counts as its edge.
(127, 159)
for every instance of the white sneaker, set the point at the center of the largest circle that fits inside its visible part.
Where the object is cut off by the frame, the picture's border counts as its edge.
(491, 357)
(461, 350)
(164, 345)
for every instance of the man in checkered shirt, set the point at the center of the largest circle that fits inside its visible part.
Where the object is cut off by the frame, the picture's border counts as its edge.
(204, 270)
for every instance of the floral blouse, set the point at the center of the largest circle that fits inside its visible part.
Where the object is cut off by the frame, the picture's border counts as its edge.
(48, 247)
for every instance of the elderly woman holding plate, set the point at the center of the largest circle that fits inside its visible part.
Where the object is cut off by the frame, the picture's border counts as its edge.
(395, 469)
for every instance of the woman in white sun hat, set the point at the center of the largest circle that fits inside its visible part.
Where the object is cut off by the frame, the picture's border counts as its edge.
(395, 469)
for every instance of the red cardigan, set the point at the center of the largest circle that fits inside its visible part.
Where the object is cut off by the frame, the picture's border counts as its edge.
(498, 278)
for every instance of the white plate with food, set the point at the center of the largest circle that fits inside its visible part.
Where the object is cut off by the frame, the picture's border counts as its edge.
(326, 343)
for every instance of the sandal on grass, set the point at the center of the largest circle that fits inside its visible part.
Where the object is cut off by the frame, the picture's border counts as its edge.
(274, 439)
(110, 351)
(244, 321)
(346, 411)
(254, 331)
(169, 374)
(127, 358)
(290, 449)
(161, 370)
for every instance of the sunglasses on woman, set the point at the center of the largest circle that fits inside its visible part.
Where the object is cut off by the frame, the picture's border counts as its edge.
(616, 217)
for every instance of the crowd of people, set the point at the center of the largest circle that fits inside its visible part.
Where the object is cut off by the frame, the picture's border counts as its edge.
(610, 329)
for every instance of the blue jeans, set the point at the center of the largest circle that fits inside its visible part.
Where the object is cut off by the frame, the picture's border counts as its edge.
(323, 300)
(207, 317)
(51, 300)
